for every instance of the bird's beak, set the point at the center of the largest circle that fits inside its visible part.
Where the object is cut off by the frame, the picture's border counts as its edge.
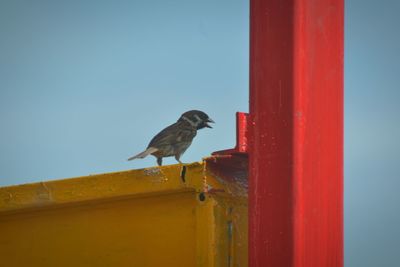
(209, 120)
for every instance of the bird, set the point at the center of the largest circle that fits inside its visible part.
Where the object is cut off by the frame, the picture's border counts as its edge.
(176, 138)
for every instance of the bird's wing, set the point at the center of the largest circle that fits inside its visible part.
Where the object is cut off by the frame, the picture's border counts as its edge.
(186, 135)
(173, 134)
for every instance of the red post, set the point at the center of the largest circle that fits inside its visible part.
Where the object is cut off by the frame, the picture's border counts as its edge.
(296, 133)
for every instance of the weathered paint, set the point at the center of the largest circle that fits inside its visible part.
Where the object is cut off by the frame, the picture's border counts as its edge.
(241, 147)
(230, 166)
(296, 133)
(149, 217)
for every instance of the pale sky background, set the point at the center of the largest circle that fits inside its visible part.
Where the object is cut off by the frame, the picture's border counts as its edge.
(86, 84)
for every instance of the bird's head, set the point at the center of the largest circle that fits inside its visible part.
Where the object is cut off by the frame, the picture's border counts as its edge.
(196, 118)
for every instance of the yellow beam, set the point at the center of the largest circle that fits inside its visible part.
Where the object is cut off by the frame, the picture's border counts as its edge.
(103, 186)
(161, 216)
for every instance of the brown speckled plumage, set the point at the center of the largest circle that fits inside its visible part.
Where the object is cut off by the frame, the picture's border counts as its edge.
(176, 138)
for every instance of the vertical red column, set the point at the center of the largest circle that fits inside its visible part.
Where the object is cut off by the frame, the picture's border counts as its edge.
(296, 133)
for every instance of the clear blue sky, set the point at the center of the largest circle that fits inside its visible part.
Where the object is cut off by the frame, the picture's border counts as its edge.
(86, 84)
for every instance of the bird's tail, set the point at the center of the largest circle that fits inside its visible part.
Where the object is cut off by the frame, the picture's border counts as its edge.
(144, 154)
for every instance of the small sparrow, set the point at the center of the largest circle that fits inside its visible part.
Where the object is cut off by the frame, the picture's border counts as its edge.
(176, 138)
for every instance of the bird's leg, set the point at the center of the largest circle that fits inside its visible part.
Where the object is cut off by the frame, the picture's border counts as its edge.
(177, 157)
(159, 161)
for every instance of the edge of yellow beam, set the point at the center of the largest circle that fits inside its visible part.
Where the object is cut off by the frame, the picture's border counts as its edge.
(124, 184)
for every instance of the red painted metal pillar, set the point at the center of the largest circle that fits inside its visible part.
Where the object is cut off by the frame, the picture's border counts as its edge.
(296, 133)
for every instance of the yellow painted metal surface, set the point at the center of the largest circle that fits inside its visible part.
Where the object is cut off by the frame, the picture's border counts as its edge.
(162, 216)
